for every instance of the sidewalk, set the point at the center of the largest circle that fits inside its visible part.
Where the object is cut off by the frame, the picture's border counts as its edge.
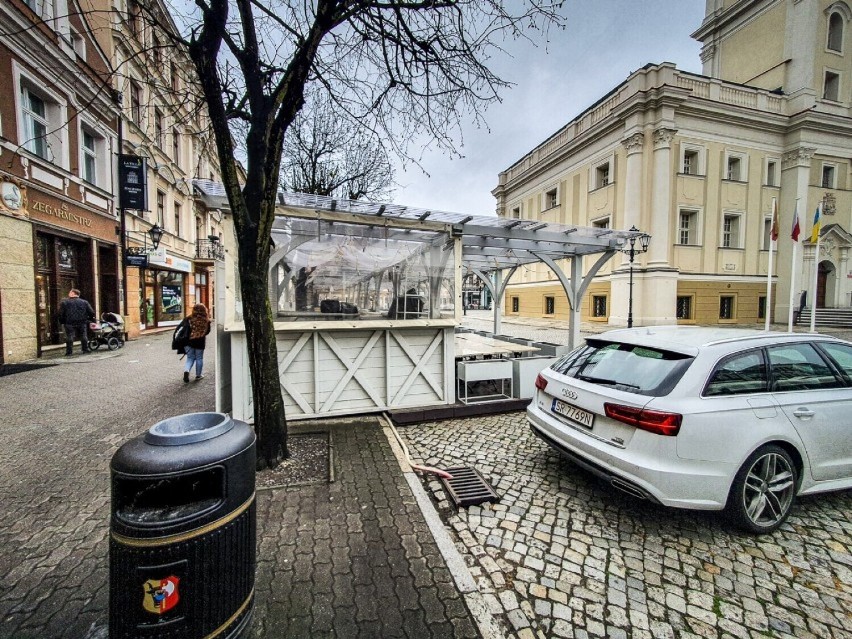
(352, 558)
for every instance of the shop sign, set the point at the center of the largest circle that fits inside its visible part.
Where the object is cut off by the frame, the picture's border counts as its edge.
(61, 212)
(140, 261)
(132, 183)
(162, 258)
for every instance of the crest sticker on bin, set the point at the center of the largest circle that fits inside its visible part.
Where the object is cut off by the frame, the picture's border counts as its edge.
(161, 595)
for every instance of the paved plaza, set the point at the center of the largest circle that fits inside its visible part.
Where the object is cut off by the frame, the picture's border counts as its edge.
(560, 555)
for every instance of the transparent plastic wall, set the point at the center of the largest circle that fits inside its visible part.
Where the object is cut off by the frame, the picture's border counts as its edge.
(338, 271)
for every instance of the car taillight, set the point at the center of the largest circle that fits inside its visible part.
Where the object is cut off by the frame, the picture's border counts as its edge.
(540, 382)
(653, 421)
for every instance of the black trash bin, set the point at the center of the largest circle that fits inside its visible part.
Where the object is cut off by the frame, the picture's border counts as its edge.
(182, 530)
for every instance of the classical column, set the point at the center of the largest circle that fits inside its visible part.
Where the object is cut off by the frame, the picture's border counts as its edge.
(658, 252)
(795, 180)
(634, 145)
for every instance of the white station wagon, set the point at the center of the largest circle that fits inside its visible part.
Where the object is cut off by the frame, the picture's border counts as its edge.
(705, 418)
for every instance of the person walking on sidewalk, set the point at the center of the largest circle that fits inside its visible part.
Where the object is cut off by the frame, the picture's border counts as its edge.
(75, 314)
(198, 325)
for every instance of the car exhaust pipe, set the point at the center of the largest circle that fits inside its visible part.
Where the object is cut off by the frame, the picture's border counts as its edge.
(630, 489)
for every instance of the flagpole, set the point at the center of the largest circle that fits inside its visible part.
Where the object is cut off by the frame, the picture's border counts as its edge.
(772, 241)
(792, 287)
(816, 271)
(794, 235)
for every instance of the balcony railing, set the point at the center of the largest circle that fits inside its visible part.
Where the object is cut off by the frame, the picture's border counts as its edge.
(209, 250)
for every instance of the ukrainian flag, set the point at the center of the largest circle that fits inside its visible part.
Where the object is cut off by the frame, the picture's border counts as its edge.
(817, 223)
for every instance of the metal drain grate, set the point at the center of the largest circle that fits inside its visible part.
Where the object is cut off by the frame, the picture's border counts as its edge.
(468, 487)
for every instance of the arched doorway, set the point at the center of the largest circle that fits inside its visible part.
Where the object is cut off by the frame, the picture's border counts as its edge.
(825, 285)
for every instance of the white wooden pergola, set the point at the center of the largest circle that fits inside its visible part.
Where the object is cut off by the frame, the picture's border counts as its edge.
(374, 361)
(493, 248)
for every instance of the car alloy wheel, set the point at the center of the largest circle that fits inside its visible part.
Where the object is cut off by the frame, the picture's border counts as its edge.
(764, 490)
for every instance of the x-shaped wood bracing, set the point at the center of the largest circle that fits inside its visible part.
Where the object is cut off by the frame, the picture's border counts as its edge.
(419, 362)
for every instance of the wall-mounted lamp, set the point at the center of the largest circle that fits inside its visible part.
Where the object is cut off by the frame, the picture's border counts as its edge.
(156, 234)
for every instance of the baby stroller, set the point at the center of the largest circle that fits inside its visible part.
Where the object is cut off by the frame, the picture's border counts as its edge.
(109, 331)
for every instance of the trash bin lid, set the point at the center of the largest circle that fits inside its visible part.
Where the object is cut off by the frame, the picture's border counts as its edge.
(188, 429)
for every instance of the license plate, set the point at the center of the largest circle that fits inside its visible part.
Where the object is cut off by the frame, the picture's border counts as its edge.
(582, 417)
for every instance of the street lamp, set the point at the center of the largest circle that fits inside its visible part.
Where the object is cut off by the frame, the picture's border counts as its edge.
(631, 252)
(156, 234)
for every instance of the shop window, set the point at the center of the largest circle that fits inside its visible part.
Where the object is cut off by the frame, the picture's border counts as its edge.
(171, 296)
(66, 254)
(726, 307)
(516, 305)
(549, 305)
(598, 305)
(684, 307)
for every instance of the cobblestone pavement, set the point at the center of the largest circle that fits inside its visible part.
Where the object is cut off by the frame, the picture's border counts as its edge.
(354, 558)
(563, 554)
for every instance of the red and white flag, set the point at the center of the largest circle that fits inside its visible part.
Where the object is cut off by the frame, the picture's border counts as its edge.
(796, 229)
(773, 232)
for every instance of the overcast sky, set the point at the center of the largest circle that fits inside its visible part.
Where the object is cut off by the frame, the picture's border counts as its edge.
(603, 42)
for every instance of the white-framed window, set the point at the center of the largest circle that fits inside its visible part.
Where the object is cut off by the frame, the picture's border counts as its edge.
(551, 198)
(731, 231)
(601, 222)
(602, 175)
(687, 227)
(736, 166)
(772, 172)
(43, 129)
(176, 145)
(692, 160)
(161, 208)
(835, 32)
(44, 8)
(767, 232)
(94, 156)
(78, 43)
(828, 178)
(831, 86)
(159, 131)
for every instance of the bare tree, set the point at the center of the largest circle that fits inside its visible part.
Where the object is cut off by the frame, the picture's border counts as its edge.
(397, 67)
(327, 154)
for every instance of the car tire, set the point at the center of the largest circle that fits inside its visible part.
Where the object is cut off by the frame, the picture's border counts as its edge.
(763, 491)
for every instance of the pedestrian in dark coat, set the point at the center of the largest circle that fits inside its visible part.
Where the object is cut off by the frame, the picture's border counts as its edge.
(198, 325)
(75, 313)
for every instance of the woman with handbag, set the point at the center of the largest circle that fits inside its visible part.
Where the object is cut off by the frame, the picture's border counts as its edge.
(198, 326)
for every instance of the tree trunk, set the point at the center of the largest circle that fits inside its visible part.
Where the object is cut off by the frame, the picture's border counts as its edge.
(270, 422)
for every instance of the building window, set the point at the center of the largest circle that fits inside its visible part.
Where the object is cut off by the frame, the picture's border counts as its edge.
(601, 223)
(835, 32)
(598, 305)
(602, 175)
(78, 44)
(726, 307)
(684, 307)
(136, 104)
(177, 219)
(731, 231)
(828, 176)
(772, 172)
(831, 87)
(176, 146)
(161, 207)
(550, 199)
(516, 213)
(549, 305)
(687, 232)
(90, 157)
(761, 307)
(516, 304)
(36, 125)
(158, 129)
(44, 8)
(734, 169)
(134, 15)
(767, 232)
(691, 161)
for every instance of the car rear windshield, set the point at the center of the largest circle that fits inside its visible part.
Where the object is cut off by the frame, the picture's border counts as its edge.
(637, 369)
